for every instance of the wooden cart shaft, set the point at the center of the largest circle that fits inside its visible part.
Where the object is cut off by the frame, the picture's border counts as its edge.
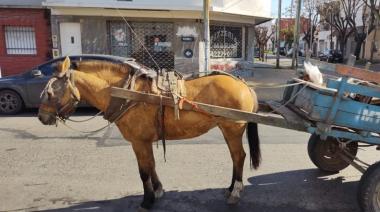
(289, 121)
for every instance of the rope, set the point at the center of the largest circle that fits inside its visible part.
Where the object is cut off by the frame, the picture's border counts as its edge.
(273, 85)
(291, 99)
(79, 121)
(194, 106)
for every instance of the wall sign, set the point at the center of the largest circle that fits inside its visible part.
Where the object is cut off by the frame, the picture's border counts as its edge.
(187, 39)
(54, 40)
(188, 53)
(55, 53)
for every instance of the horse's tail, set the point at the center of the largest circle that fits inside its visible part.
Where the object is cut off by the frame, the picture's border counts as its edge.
(254, 144)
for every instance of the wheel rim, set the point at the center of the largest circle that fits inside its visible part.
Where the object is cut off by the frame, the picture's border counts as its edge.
(8, 102)
(331, 151)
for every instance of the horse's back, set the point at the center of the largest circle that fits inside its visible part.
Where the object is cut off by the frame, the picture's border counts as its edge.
(222, 90)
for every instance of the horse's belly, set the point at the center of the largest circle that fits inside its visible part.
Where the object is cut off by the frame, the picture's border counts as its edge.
(189, 125)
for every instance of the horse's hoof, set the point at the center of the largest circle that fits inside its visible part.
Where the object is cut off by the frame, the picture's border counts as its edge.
(141, 209)
(233, 200)
(227, 193)
(159, 193)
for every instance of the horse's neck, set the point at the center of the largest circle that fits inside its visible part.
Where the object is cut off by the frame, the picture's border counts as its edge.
(93, 89)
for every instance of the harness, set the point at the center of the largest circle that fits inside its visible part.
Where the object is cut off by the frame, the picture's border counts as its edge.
(167, 83)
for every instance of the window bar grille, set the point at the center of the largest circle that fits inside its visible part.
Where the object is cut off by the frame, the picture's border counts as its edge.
(20, 40)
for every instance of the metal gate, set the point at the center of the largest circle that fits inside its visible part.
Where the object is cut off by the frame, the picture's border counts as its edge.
(157, 39)
(226, 42)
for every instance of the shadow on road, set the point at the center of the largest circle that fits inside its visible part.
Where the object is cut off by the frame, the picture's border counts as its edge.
(299, 190)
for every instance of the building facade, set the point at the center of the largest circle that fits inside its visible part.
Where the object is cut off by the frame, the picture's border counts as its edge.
(165, 35)
(25, 35)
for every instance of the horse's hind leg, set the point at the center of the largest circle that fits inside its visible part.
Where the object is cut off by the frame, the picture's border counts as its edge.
(148, 175)
(233, 133)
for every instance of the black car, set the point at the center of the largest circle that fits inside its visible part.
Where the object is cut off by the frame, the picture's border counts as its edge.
(331, 56)
(23, 90)
(282, 51)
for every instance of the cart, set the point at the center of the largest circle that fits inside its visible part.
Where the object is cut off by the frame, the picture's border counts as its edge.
(336, 119)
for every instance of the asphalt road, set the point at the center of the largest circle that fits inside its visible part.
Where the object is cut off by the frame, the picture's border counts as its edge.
(56, 169)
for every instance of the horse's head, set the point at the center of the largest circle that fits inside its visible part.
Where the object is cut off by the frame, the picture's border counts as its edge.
(60, 96)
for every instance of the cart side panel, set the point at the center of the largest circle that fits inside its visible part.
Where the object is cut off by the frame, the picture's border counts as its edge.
(316, 105)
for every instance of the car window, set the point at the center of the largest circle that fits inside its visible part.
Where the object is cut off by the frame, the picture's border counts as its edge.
(48, 68)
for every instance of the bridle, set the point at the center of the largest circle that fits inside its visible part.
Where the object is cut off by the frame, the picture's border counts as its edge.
(54, 96)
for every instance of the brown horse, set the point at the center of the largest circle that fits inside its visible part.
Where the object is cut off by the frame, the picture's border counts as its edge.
(91, 81)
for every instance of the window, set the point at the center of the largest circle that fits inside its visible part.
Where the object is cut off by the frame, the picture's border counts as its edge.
(225, 42)
(20, 40)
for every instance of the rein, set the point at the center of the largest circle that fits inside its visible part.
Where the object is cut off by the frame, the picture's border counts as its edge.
(87, 132)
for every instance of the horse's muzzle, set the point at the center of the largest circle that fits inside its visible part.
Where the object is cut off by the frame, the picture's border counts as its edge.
(47, 119)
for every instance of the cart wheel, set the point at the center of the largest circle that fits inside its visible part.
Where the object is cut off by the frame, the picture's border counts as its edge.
(325, 154)
(369, 189)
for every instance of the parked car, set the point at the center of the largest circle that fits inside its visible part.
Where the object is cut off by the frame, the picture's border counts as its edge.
(290, 52)
(331, 56)
(23, 90)
(282, 51)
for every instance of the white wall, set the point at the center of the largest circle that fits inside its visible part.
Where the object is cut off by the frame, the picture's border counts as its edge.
(260, 8)
(325, 36)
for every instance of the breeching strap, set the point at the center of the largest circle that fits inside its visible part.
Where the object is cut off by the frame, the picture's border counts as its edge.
(161, 125)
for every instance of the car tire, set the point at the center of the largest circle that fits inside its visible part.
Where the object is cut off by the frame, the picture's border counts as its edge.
(10, 102)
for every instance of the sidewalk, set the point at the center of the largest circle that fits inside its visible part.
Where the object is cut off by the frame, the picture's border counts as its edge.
(260, 73)
(270, 76)
(286, 62)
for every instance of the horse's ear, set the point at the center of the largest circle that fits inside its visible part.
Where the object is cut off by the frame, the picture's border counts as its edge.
(65, 66)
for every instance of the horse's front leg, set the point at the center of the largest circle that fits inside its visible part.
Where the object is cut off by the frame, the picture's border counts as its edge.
(149, 178)
(157, 185)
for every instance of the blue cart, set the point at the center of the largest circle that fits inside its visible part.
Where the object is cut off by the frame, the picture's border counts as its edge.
(340, 117)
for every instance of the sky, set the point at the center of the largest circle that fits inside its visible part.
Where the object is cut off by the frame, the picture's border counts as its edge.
(284, 4)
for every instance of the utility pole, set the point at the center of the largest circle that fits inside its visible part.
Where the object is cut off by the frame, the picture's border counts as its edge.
(206, 21)
(278, 35)
(311, 36)
(296, 34)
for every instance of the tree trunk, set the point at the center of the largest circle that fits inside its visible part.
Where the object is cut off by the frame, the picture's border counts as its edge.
(342, 46)
(359, 39)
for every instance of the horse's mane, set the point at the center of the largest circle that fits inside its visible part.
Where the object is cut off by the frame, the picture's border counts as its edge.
(94, 66)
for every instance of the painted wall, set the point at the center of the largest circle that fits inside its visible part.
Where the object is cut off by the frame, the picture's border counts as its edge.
(39, 19)
(181, 62)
